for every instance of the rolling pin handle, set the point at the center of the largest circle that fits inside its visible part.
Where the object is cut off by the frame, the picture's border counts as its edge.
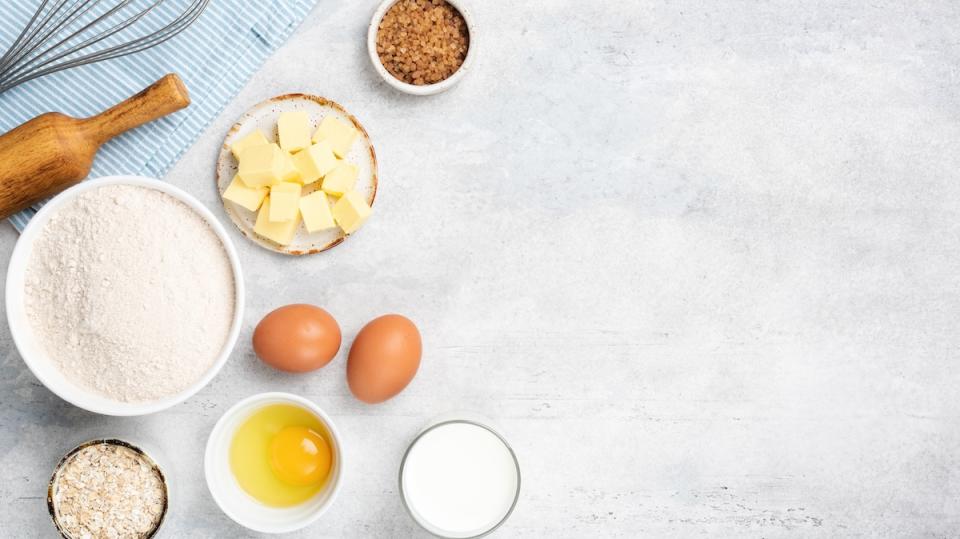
(163, 97)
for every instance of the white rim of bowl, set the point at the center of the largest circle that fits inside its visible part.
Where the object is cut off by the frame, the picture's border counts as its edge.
(218, 432)
(426, 89)
(119, 408)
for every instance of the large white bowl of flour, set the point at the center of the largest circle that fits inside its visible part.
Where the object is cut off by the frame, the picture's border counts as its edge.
(124, 295)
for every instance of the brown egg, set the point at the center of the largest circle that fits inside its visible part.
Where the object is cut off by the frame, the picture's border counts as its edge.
(297, 338)
(384, 358)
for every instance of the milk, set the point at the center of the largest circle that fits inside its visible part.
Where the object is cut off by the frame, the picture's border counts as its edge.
(459, 480)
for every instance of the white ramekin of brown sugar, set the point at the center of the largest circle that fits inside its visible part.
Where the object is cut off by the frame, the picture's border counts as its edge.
(422, 47)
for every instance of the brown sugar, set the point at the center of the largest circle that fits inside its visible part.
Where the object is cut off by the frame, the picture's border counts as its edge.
(422, 41)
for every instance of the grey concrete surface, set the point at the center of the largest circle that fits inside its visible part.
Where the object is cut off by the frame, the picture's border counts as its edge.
(699, 260)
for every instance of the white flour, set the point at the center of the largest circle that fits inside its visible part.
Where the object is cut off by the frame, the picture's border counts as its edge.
(130, 292)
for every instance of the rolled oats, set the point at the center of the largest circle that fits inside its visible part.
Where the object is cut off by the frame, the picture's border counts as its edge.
(106, 490)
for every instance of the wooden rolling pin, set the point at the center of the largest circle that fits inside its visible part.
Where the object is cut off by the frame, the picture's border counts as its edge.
(53, 151)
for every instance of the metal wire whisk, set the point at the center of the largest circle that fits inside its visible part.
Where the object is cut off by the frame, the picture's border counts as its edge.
(68, 33)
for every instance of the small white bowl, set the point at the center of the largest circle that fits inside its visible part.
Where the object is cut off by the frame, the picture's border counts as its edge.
(37, 359)
(426, 89)
(230, 496)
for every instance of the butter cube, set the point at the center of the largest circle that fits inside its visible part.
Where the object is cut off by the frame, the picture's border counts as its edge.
(315, 162)
(293, 131)
(281, 233)
(284, 200)
(338, 134)
(242, 195)
(255, 138)
(261, 165)
(341, 179)
(290, 172)
(351, 211)
(315, 209)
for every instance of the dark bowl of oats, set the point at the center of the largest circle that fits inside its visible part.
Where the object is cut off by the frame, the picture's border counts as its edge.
(422, 47)
(107, 488)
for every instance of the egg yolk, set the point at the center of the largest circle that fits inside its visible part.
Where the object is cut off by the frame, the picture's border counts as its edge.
(299, 456)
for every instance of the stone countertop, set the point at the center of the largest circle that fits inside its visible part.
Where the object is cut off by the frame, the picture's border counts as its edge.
(698, 260)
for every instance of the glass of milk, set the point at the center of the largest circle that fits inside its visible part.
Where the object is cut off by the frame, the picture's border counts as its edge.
(459, 478)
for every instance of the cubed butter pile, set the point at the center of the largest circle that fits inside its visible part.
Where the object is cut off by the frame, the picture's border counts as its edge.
(273, 178)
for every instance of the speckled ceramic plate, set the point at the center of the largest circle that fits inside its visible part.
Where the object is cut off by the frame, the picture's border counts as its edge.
(263, 116)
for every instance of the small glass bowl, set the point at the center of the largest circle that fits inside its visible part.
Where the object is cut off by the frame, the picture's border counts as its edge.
(467, 418)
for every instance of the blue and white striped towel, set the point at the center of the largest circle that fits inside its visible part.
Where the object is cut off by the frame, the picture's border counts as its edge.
(215, 57)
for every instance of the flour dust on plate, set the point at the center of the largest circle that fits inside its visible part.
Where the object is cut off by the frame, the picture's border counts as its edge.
(130, 293)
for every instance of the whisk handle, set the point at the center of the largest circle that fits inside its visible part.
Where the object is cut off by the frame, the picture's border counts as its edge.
(163, 97)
